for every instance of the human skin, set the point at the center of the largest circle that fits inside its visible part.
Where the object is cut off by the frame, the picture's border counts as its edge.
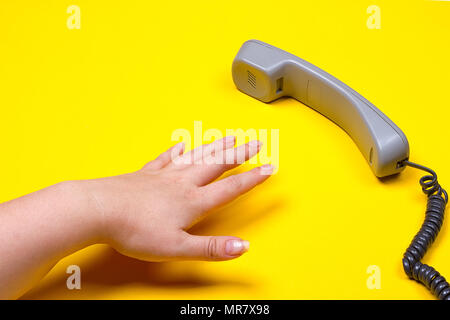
(143, 214)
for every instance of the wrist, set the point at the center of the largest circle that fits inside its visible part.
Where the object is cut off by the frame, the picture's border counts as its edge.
(104, 202)
(83, 208)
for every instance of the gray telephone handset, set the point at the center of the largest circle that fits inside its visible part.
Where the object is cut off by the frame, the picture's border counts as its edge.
(268, 73)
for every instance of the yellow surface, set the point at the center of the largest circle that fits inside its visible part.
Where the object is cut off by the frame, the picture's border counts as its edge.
(105, 99)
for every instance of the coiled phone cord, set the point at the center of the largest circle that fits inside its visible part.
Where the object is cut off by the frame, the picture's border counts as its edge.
(434, 216)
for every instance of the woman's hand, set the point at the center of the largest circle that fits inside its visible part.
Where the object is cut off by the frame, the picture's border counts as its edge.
(145, 214)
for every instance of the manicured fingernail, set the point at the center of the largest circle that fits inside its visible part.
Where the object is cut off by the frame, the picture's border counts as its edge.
(230, 140)
(266, 169)
(177, 150)
(235, 247)
(255, 144)
(180, 145)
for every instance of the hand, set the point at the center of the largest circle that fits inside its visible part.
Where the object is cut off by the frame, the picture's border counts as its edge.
(145, 214)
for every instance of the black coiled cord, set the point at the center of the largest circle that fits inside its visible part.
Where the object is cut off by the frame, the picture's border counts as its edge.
(434, 216)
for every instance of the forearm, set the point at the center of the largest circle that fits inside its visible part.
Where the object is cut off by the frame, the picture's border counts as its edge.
(39, 229)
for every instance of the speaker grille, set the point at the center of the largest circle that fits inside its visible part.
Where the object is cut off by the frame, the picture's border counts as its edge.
(251, 79)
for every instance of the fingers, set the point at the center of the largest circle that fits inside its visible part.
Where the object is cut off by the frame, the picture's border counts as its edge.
(212, 248)
(196, 155)
(225, 190)
(215, 165)
(166, 157)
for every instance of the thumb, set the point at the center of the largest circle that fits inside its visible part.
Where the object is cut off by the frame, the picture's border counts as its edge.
(213, 248)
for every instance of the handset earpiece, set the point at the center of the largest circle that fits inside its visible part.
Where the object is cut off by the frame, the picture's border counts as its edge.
(268, 73)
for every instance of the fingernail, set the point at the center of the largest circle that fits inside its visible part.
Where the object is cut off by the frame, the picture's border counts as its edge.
(266, 169)
(235, 247)
(255, 144)
(230, 140)
(177, 150)
(180, 145)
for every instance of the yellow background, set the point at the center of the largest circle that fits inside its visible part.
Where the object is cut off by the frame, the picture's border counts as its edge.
(103, 100)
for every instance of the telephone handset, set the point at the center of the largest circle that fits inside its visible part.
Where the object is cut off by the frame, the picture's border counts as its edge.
(267, 73)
